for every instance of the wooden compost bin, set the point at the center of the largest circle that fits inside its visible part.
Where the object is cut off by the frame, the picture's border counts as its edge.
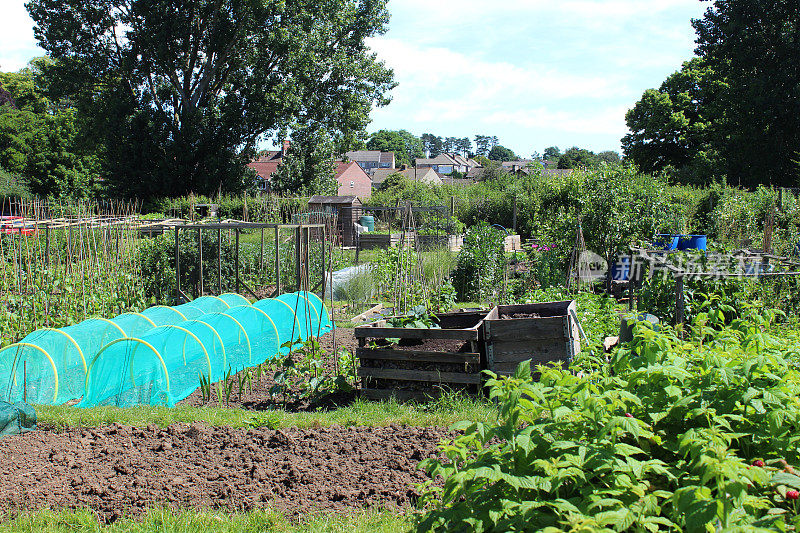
(369, 241)
(541, 332)
(424, 361)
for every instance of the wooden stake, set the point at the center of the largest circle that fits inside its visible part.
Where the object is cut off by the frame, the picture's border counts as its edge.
(200, 257)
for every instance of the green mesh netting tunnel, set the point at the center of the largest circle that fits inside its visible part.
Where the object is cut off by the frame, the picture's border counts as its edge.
(157, 356)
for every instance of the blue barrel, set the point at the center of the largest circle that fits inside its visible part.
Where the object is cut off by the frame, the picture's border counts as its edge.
(665, 241)
(368, 222)
(692, 242)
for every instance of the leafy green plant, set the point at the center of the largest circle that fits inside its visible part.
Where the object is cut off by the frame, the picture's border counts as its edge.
(478, 276)
(205, 388)
(670, 433)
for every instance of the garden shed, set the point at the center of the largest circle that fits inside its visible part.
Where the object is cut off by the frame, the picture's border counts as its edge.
(347, 210)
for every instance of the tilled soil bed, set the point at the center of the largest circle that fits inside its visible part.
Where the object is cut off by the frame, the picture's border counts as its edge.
(119, 470)
(257, 396)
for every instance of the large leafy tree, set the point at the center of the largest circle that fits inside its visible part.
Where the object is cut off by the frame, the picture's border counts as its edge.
(754, 45)
(672, 128)
(40, 140)
(178, 93)
(308, 168)
(432, 144)
(406, 146)
(734, 110)
(501, 153)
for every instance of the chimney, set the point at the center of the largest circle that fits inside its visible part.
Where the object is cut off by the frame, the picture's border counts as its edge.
(285, 149)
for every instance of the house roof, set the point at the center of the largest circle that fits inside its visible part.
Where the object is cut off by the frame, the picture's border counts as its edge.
(333, 200)
(267, 163)
(426, 174)
(363, 155)
(342, 167)
(387, 157)
(441, 159)
(380, 174)
(475, 172)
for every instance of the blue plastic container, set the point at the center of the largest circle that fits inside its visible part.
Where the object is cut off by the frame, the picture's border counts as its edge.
(692, 242)
(666, 241)
(368, 221)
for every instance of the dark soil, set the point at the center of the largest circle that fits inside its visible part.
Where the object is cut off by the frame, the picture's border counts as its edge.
(257, 396)
(520, 315)
(345, 338)
(118, 470)
(433, 345)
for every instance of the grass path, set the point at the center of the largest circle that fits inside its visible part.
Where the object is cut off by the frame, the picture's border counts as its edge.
(165, 521)
(443, 412)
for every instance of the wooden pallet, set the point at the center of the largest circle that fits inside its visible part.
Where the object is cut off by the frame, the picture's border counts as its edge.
(552, 337)
(387, 370)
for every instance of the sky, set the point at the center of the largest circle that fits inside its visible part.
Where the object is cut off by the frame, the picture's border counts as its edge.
(534, 73)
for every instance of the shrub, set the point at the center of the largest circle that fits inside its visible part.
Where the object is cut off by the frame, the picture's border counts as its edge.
(478, 275)
(670, 434)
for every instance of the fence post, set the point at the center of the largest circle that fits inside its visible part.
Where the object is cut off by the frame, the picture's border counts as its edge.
(47, 245)
(200, 258)
(177, 266)
(298, 242)
(324, 264)
(277, 260)
(679, 300)
(219, 260)
(514, 226)
(236, 231)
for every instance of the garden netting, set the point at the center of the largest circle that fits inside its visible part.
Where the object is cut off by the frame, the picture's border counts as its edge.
(158, 356)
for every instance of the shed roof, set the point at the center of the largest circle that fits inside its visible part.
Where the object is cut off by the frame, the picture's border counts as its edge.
(333, 200)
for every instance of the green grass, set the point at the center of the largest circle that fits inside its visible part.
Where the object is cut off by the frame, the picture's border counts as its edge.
(165, 521)
(445, 411)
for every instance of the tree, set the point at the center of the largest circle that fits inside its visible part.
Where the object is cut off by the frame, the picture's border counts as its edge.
(406, 146)
(577, 158)
(308, 168)
(177, 95)
(672, 128)
(754, 46)
(432, 144)
(39, 138)
(551, 153)
(483, 144)
(733, 110)
(609, 157)
(6, 98)
(501, 153)
(464, 146)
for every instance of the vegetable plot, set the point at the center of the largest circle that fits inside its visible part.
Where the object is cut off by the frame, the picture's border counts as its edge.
(697, 434)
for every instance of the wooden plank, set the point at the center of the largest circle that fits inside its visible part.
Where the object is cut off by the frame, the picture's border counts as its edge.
(418, 375)
(545, 309)
(412, 333)
(416, 355)
(526, 328)
(369, 312)
(515, 350)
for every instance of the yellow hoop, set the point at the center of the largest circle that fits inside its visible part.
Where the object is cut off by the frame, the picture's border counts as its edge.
(127, 339)
(52, 363)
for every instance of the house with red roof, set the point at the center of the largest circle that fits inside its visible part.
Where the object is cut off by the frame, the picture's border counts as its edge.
(353, 181)
(266, 165)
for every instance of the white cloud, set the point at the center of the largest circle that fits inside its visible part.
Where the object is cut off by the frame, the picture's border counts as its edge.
(17, 43)
(595, 120)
